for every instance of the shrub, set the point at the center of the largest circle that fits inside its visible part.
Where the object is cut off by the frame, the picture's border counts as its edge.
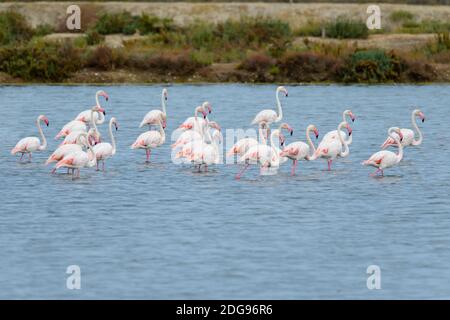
(401, 16)
(111, 23)
(13, 27)
(418, 71)
(40, 61)
(43, 30)
(344, 28)
(310, 29)
(93, 37)
(106, 58)
(372, 66)
(308, 66)
(153, 24)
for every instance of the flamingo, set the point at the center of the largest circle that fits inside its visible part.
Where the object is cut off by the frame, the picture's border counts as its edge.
(149, 140)
(269, 116)
(207, 153)
(299, 150)
(67, 149)
(72, 137)
(152, 116)
(77, 125)
(265, 155)
(86, 116)
(32, 144)
(242, 145)
(409, 137)
(331, 149)
(78, 159)
(106, 150)
(193, 122)
(333, 134)
(386, 159)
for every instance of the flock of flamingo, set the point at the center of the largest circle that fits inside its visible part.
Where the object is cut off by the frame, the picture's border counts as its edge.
(198, 143)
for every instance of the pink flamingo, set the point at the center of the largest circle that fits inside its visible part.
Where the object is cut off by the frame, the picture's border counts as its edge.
(32, 144)
(149, 140)
(242, 145)
(333, 134)
(409, 137)
(269, 116)
(106, 150)
(153, 116)
(78, 159)
(192, 123)
(86, 116)
(299, 150)
(386, 159)
(207, 153)
(332, 148)
(77, 125)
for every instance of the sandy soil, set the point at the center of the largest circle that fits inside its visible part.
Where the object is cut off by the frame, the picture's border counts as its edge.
(296, 14)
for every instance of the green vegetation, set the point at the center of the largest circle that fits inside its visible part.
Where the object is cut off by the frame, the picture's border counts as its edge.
(401, 16)
(258, 50)
(345, 28)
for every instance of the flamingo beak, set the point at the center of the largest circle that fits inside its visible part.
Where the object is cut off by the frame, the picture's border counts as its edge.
(349, 129)
(316, 133)
(423, 120)
(291, 131)
(47, 122)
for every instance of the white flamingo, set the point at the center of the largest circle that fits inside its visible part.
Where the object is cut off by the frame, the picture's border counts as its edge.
(331, 149)
(299, 150)
(32, 144)
(105, 150)
(78, 159)
(333, 134)
(86, 116)
(150, 140)
(152, 117)
(207, 154)
(192, 123)
(77, 125)
(242, 145)
(269, 116)
(264, 155)
(386, 159)
(409, 136)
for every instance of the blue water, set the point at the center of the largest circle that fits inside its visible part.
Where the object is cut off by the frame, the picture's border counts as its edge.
(163, 231)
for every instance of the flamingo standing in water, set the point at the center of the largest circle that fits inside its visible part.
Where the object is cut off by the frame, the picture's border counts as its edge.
(79, 159)
(265, 155)
(106, 150)
(153, 116)
(332, 148)
(77, 125)
(299, 150)
(86, 116)
(386, 159)
(149, 140)
(409, 137)
(242, 145)
(192, 123)
(207, 153)
(333, 134)
(32, 144)
(67, 149)
(269, 116)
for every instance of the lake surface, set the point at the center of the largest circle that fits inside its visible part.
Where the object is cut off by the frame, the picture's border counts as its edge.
(160, 230)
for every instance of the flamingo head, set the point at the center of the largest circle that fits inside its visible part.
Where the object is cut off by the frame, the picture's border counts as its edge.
(116, 124)
(165, 94)
(316, 132)
(103, 94)
(399, 132)
(99, 109)
(283, 89)
(421, 115)
(350, 114)
(288, 128)
(349, 129)
(45, 119)
(207, 106)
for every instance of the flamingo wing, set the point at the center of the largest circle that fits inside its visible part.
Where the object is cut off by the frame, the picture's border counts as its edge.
(267, 116)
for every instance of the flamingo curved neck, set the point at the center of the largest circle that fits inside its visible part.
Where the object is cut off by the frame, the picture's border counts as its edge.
(416, 128)
(262, 136)
(163, 103)
(43, 146)
(113, 140)
(310, 143)
(93, 159)
(343, 142)
(280, 111)
(399, 155)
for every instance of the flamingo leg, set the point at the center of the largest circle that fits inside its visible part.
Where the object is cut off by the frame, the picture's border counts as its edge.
(103, 165)
(21, 156)
(29, 156)
(238, 176)
(377, 171)
(96, 166)
(206, 168)
(147, 151)
(53, 170)
(330, 161)
(294, 166)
